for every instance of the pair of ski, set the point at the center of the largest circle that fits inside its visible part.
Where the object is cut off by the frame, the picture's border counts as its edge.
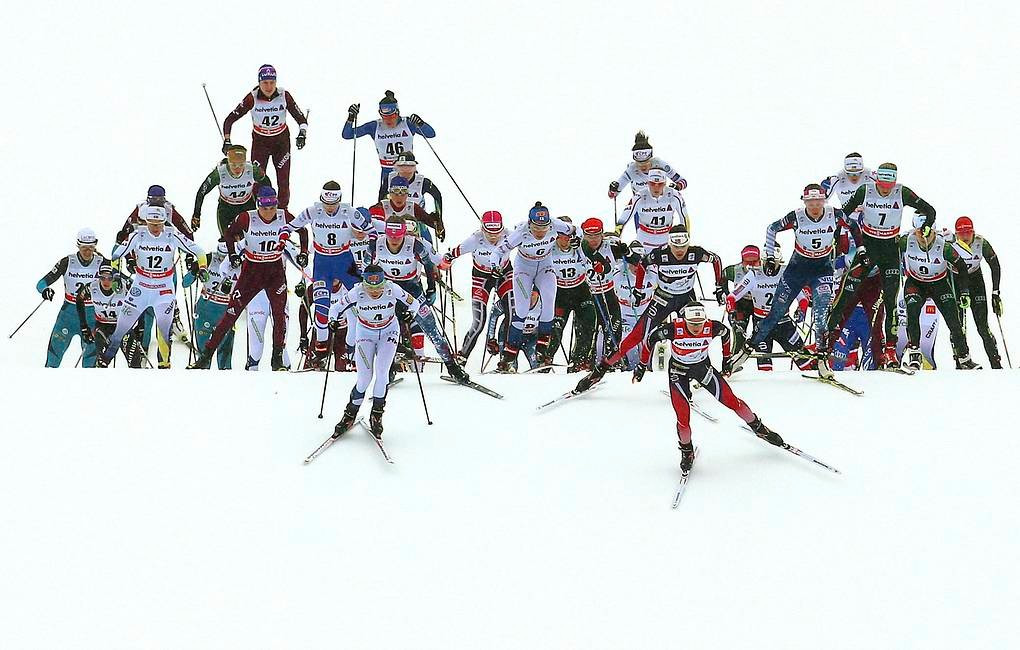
(328, 442)
(472, 384)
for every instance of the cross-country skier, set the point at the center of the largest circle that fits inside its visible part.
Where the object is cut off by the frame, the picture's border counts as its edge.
(926, 258)
(761, 285)
(882, 202)
(973, 248)
(740, 317)
(78, 270)
(397, 205)
(156, 195)
(264, 232)
(392, 133)
(675, 268)
(106, 295)
(605, 255)
(634, 299)
(690, 339)
(928, 321)
(212, 303)
(654, 210)
(270, 135)
(573, 296)
(153, 286)
(636, 173)
(490, 272)
(330, 221)
(840, 187)
(237, 181)
(534, 240)
(418, 187)
(817, 228)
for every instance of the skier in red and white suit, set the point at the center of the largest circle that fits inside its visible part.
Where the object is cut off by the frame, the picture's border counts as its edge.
(270, 136)
(264, 233)
(691, 336)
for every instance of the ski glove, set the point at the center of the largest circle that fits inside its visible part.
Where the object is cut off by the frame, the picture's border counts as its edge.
(235, 260)
(299, 289)
(731, 304)
(415, 120)
(614, 189)
(996, 303)
(203, 275)
(48, 293)
(720, 295)
(964, 300)
(87, 336)
(727, 366)
(639, 372)
(430, 296)
(302, 259)
(300, 140)
(226, 144)
(227, 285)
(196, 221)
(337, 324)
(352, 112)
(863, 257)
(770, 267)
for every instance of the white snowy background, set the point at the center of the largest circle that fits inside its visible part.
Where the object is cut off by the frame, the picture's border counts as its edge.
(172, 510)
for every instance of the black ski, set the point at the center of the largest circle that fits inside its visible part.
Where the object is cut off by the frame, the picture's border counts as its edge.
(835, 383)
(396, 380)
(568, 395)
(681, 486)
(472, 384)
(327, 443)
(378, 442)
(797, 452)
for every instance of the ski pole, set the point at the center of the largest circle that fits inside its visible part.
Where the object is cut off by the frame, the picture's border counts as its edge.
(1005, 348)
(213, 111)
(456, 184)
(27, 317)
(354, 161)
(421, 389)
(325, 382)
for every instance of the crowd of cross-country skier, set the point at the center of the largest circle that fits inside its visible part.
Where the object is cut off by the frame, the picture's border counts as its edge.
(860, 289)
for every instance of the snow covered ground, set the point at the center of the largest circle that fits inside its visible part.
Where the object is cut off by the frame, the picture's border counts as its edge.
(146, 511)
(172, 510)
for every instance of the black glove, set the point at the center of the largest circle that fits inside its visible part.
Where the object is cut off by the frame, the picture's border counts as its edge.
(302, 345)
(727, 366)
(771, 267)
(407, 316)
(492, 346)
(203, 275)
(639, 372)
(430, 296)
(614, 189)
(862, 257)
(189, 261)
(300, 140)
(226, 143)
(131, 264)
(996, 303)
(48, 293)
(637, 295)
(235, 260)
(226, 285)
(352, 112)
(575, 242)
(720, 295)
(302, 259)
(415, 120)
(299, 289)
(337, 324)
(87, 336)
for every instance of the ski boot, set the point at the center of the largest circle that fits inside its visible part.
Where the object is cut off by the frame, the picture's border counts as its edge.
(203, 361)
(995, 362)
(457, 372)
(342, 362)
(506, 365)
(277, 360)
(375, 418)
(822, 364)
(686, 457)
(251, 364)
(740, 356)
(965, 363)
(580, 366)
(591, 378)
(911, 359)
(102, 361)
(889, 359)
(347, 421)
(639, 371)
(317, 356)
(303, 344)
(765, 433)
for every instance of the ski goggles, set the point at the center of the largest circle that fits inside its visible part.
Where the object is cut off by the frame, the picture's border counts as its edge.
(268, 201)
(400, 190)
(387, 110)
(374, 280)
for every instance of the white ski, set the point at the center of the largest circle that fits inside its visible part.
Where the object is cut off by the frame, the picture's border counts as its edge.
(681, 486)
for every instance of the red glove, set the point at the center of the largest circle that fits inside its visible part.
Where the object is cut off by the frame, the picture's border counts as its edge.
(731, 304)
(597, 267)
(284, 238)
(445, 263)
